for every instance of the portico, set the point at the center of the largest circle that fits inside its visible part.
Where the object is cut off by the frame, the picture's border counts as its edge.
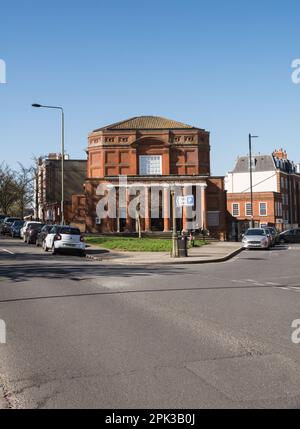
(149, 199)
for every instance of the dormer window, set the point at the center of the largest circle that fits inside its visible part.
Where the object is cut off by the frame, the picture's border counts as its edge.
(252, 163)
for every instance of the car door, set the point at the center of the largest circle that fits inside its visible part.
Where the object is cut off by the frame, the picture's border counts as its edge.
(291, 236)
(297, 236)
(42, 235)
(50, 237)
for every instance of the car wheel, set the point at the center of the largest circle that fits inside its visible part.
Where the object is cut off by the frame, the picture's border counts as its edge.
(282, 241)
(37, 244)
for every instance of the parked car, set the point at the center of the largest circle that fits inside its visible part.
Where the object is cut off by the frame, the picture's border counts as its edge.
(64, 238)
(7, 223)
(271, 235)
(275, 234)
(290, 236)
(16, 227)
(31, 232)
(41, 235)
(2, 217)
(256, 238)
(26, 226)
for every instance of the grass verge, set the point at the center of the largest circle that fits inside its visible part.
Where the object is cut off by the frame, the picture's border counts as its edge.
(132, 244)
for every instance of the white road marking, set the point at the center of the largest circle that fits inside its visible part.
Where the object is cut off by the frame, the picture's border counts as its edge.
(255, 282)
(8, 251)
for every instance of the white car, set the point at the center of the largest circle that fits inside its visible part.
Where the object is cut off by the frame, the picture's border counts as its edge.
(64, 238)
(25, 227)
(256, 238)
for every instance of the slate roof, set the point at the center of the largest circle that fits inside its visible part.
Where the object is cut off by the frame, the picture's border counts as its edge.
(147, 123)
(262, 163)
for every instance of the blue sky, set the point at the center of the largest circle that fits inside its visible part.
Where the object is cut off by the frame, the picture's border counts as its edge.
(222, 66)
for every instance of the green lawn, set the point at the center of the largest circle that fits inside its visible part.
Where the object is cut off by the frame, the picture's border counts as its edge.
(135, 244)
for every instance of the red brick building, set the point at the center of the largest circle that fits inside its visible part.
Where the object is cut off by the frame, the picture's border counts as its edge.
(156, 154)
(48, 186)
(276, 193)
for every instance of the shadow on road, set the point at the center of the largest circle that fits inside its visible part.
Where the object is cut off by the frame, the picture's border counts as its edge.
(138, 291)
(61, 267)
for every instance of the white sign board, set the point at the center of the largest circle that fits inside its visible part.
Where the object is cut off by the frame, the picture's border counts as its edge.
(186, 201)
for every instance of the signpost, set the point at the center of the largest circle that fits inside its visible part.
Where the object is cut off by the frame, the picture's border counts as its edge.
(186, 201)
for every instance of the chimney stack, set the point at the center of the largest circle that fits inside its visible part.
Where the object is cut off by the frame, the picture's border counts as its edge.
(280, 154)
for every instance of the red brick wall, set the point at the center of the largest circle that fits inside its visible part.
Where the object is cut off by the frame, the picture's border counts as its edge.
(264, 197)
(183, 153)
(216, 201)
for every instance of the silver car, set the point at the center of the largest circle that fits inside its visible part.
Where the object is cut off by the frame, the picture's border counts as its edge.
(256, 238)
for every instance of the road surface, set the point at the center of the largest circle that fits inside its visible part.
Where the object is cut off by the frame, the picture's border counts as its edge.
(82, 334)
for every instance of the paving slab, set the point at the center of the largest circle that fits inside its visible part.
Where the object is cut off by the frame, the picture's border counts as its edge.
(210, 253)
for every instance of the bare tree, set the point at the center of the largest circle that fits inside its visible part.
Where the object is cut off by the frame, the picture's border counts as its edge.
(25, 188)
(18, 188)
(8, 188)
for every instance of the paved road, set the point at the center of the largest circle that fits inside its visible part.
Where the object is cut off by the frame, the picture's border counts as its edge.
(86, 334)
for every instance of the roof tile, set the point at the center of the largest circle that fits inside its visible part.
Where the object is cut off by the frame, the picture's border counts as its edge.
(147, 123)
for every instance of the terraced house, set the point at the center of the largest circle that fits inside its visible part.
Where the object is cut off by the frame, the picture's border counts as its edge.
(276, 193)
(153, 153)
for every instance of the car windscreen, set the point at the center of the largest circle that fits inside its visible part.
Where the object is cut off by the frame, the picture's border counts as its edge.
(255, 232)
(46, 228)
(11, 219)
(69, 231)
(18, 223)
(34, 226)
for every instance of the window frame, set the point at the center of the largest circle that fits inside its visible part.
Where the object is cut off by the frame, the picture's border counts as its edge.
(266, 210)
(251, 210)
(238, 209)
(149, 157)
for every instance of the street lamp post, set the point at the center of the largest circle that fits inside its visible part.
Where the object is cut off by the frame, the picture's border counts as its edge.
(251, 178)
(174, 229)
(62, 154)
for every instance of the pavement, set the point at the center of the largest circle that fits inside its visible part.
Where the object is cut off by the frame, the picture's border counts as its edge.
(84, 334)
(210, 253)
